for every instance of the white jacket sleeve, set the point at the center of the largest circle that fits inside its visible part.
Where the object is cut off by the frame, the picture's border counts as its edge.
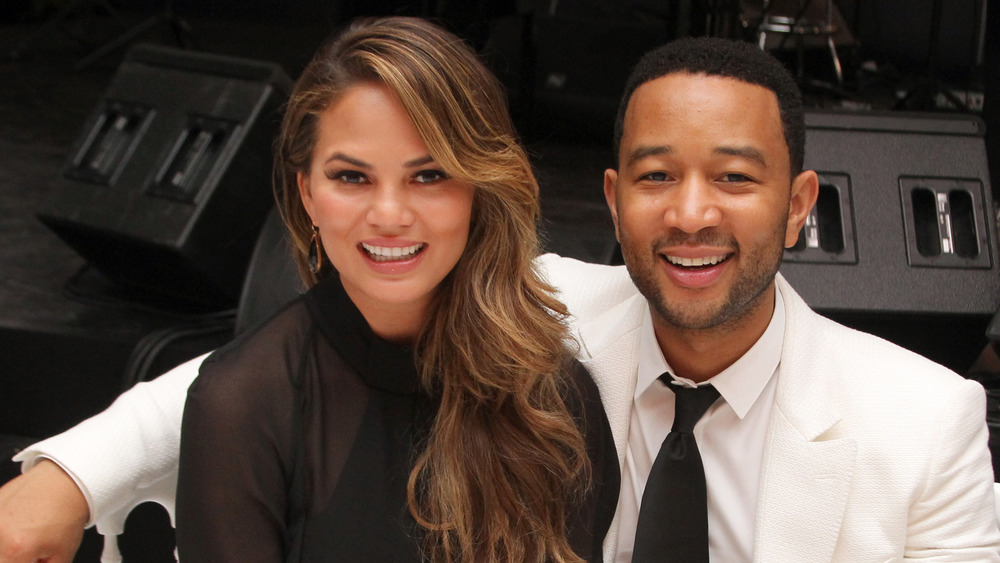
(127, 454)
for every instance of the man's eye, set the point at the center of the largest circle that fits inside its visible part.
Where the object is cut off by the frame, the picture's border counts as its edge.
(656, 177)
(429, 176)
(735, 178)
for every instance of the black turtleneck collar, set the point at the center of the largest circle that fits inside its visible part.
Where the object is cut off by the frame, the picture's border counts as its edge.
(381, 364)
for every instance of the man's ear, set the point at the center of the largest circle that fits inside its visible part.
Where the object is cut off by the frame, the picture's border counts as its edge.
(305, 191)
(805, 190)
(610, 191)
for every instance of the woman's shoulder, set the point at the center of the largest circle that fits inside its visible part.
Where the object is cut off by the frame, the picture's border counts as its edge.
(573, 371)
(582, 397)
(258, 361)
(584, 404)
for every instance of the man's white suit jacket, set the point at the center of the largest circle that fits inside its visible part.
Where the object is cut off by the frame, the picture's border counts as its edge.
(873, 453)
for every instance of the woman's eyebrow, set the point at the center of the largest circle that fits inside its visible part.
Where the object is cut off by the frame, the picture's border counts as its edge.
(419, 161)
(349, 160)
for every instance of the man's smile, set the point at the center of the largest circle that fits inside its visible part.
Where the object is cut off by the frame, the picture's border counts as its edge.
(696, 262)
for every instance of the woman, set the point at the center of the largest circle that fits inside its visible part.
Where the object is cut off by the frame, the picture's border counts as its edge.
(417, 402)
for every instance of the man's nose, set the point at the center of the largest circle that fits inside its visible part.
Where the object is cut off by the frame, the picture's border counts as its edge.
(694, 205)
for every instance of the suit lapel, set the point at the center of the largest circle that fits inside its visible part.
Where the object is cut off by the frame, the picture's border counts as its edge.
(803, 494)
(609, 350)
(808, 467)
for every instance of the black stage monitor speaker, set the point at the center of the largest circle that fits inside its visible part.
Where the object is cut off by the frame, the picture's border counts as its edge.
(169, 181)
(902, 241)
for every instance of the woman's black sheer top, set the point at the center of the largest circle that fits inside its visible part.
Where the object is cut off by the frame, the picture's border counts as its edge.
(299, 437)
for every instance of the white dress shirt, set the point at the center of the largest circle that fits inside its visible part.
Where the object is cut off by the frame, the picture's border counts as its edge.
(730, 438)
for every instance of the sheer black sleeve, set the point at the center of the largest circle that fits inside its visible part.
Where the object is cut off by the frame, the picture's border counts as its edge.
(236, 452)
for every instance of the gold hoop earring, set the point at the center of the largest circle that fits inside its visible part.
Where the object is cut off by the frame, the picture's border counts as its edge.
(315, 252)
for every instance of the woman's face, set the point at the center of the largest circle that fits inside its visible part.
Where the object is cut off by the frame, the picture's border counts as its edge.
(392, 222)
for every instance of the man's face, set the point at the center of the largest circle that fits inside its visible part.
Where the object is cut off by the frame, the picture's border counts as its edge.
(702, 200)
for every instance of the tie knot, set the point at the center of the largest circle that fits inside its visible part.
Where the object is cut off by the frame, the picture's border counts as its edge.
(690, 405)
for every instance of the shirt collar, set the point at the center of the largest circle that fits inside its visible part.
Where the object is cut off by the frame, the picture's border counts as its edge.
(383, 365)
(741, 383)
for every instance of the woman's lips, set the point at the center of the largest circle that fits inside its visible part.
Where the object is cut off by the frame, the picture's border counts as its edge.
(392, 253)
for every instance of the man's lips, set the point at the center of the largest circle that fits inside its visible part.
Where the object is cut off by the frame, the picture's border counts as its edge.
(695, 262)
(695, 271)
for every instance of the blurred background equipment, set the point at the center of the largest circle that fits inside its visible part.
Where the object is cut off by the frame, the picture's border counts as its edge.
(799, 25)
(167, 184)
(904, 233)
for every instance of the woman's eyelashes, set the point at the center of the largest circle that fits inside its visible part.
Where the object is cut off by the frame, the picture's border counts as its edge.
(429, 176)
(347, 176)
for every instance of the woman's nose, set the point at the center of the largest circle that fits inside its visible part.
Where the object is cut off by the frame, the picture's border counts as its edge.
(390, 207)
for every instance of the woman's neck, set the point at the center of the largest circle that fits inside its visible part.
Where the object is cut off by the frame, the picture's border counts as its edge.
(399, 323)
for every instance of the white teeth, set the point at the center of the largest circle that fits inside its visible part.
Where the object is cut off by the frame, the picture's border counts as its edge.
(392, 253)
(694, 262)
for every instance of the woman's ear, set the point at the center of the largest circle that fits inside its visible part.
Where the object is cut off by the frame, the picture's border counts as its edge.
(305, 191)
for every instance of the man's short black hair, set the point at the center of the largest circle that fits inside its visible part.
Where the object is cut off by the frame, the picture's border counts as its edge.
(731, 59)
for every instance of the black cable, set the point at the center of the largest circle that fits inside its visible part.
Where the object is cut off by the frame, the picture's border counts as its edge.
(148, 350)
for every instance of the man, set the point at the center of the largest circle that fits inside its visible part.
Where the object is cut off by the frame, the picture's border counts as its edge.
(826, 444)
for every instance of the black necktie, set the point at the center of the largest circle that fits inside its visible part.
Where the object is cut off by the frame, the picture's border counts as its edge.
(673, 516)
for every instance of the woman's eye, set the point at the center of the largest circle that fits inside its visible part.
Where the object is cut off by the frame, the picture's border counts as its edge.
(429, 176)
(347, 176)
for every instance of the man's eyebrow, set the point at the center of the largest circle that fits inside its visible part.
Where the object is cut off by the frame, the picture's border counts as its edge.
(746, 152)
(349, 160)
(645, 151)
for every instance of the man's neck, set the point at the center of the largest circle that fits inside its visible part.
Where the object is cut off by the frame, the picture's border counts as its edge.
(700, 354)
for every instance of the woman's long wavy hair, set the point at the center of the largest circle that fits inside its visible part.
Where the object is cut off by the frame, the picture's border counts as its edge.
(504, 459)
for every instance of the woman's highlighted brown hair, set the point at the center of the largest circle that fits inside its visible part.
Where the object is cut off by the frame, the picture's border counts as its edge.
(504, 459)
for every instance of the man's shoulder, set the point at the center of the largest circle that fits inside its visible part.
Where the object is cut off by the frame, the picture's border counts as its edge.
(587, 289)
(851, 353)
(558, 267)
